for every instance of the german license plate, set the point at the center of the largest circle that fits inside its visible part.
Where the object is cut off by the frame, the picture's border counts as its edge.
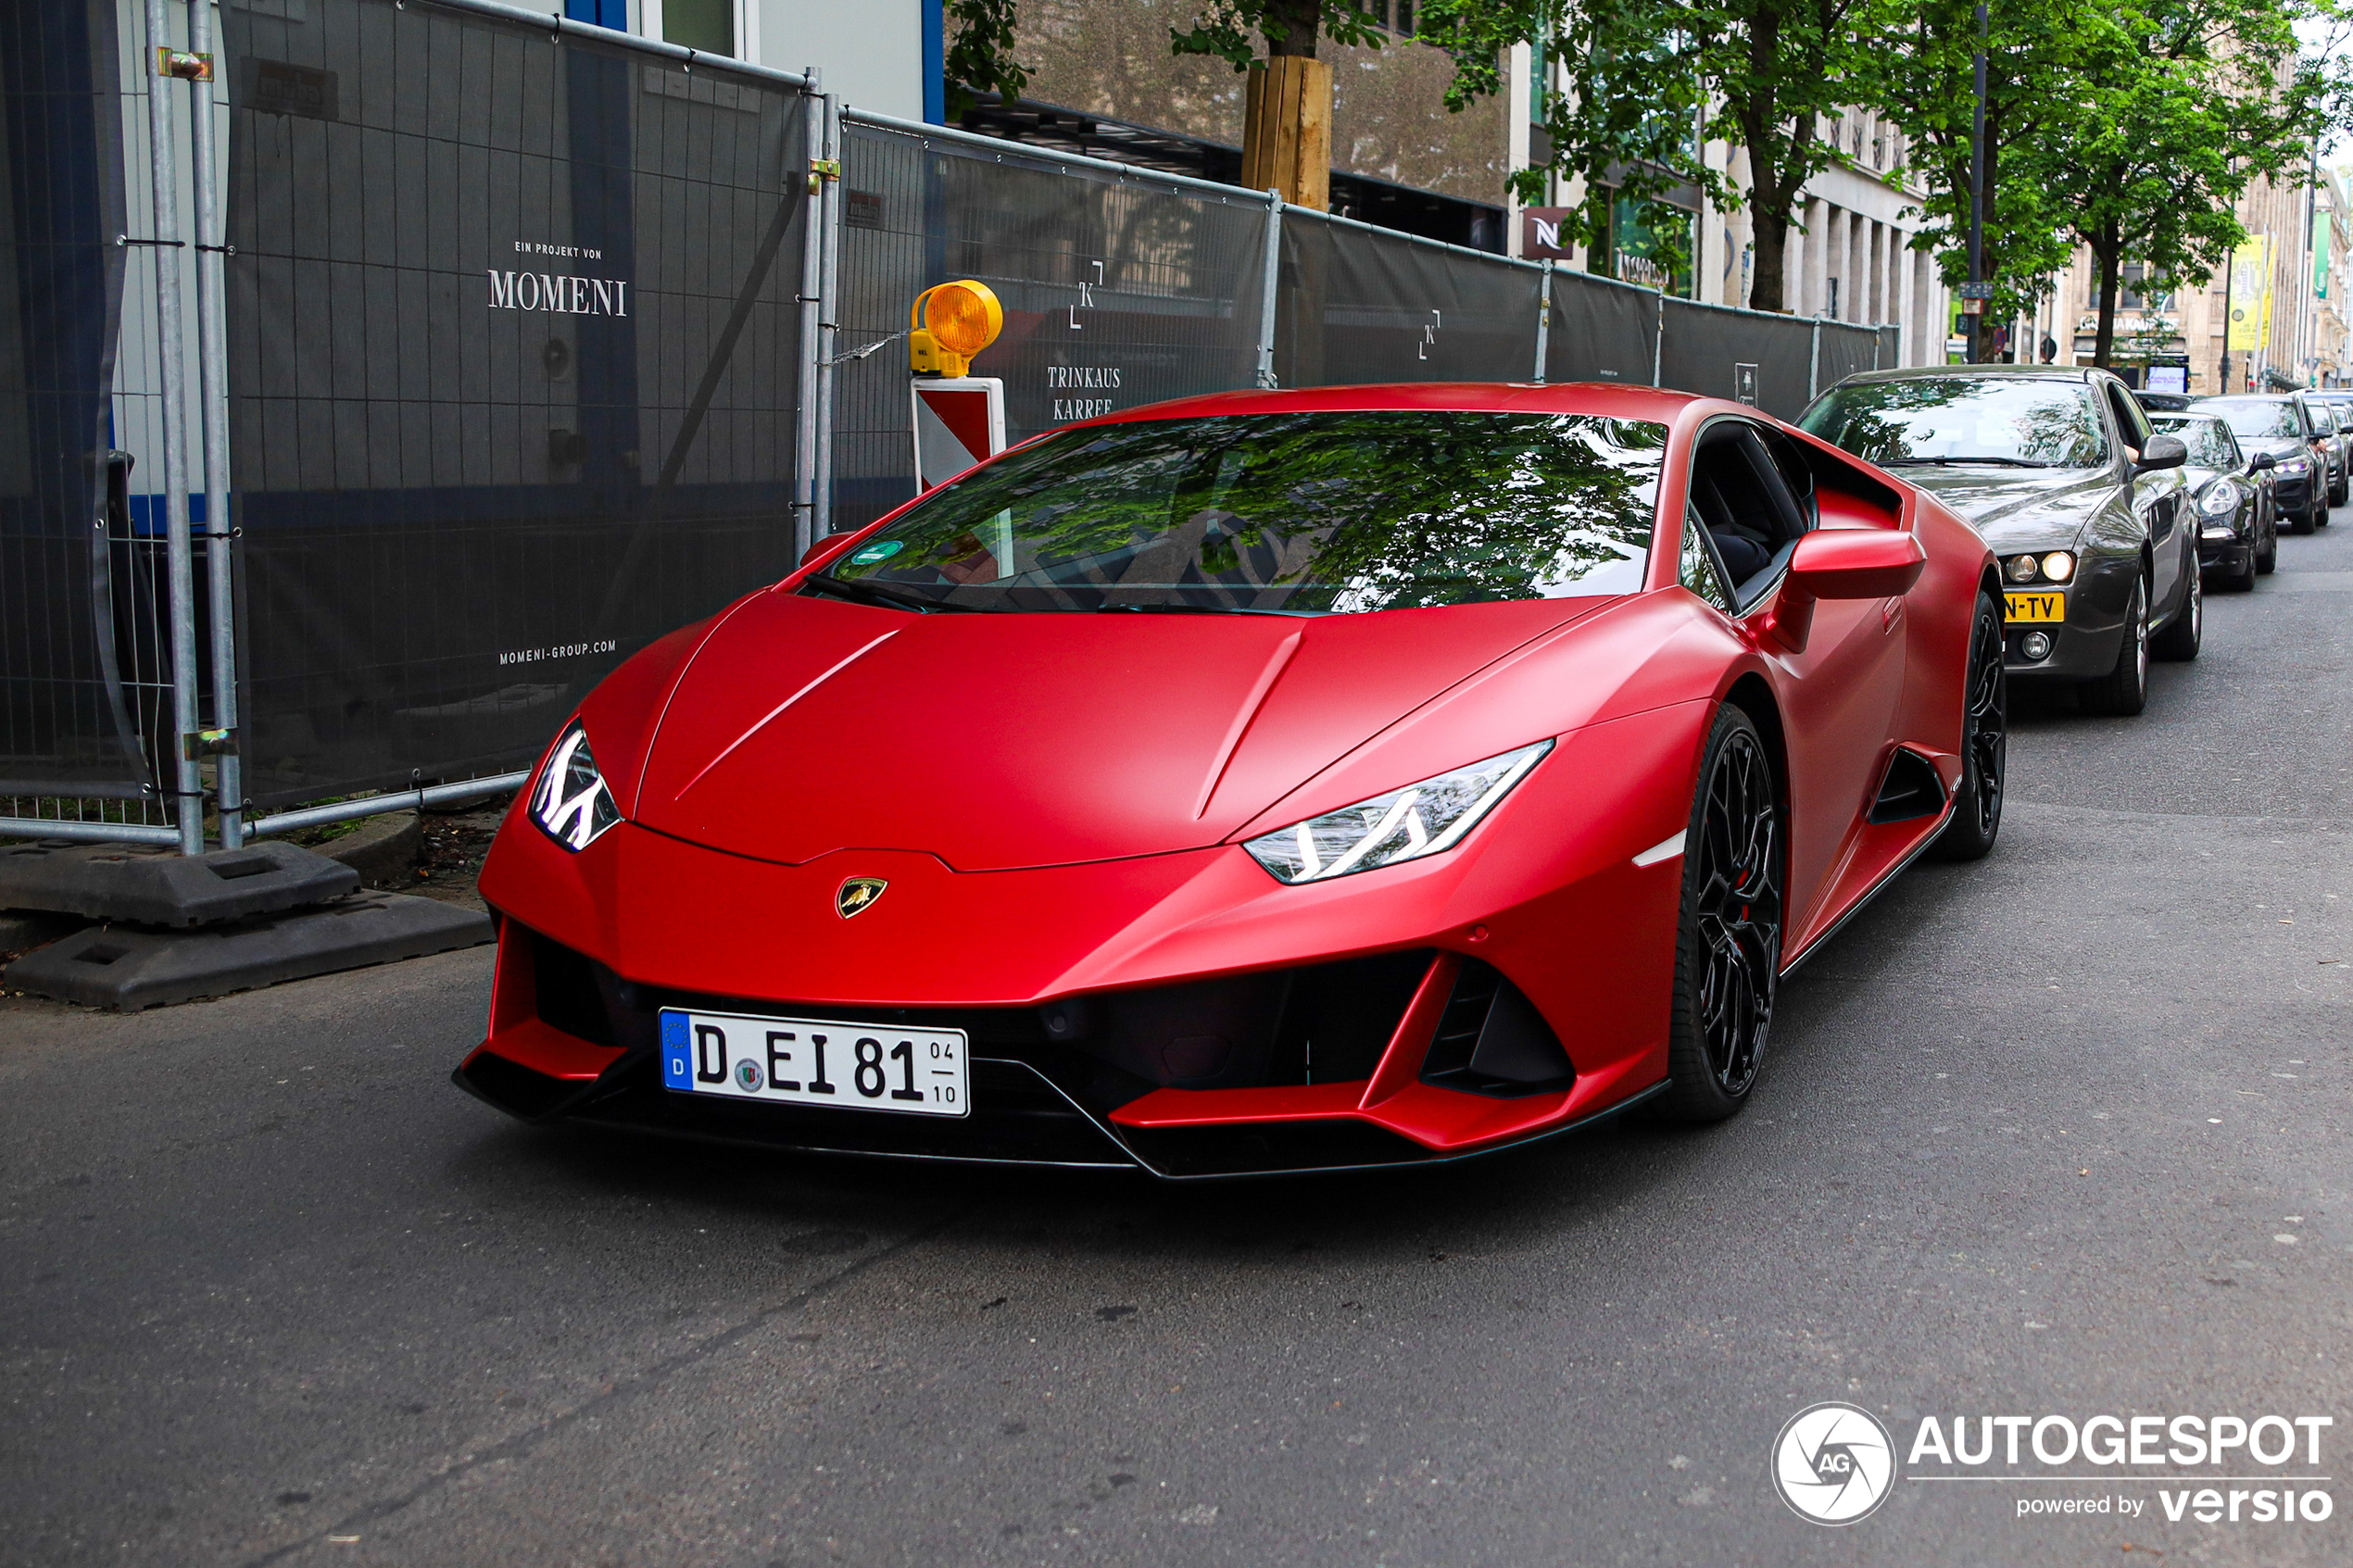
(2035, 607)
(815, 1062)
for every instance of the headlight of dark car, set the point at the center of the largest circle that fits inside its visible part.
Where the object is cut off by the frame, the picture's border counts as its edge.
(2218, 499)
(2056, 566)
(570, 801)
(1422, 819)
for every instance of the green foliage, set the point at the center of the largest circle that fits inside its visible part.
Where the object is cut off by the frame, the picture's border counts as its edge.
(1230, 29)
(980, 56)
(1650, 82)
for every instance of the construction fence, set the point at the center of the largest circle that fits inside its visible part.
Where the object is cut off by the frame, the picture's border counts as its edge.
(375, 377)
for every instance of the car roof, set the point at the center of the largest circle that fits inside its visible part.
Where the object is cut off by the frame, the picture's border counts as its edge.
(1955, 372)
(2245, 397)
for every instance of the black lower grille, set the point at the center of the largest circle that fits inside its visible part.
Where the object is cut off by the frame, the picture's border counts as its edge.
(1318, 1023)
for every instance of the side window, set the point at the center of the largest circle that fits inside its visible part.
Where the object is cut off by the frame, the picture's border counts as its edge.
(1744, 509)
(2131, 423)
(1699, 571)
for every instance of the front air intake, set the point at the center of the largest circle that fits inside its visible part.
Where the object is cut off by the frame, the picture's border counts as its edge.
(1491, 1041)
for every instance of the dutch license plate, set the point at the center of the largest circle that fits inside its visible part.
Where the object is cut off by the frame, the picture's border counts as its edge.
(815, 1062)
(2035, 607)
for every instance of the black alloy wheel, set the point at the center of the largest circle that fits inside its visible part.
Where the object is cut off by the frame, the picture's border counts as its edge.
(2186, 632)
(2302, 523)
(1985, 743)
(2267, 555)
(1728, 944)
(2124, 691)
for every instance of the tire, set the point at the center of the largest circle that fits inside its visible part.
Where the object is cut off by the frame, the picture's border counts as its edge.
(2302, 523)
(1986, 723)
(1728, 935)
(2124, 691)
(2336, 491)
(2178, 644)
(2267, 560)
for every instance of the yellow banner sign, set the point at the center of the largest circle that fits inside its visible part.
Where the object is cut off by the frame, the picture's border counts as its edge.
(2251, 293)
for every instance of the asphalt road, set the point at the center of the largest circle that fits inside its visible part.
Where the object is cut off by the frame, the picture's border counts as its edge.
(2063, 1133)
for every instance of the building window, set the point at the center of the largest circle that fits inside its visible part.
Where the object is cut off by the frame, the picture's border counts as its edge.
(706, 25)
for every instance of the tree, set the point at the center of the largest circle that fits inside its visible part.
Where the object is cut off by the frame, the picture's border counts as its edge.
(2182, 108)
(1286, 135)
(1650, 82)
(1920, 74)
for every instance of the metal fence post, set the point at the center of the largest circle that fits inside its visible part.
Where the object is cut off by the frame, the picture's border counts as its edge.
(212, 359)
(1658, 341)
(1543, 320)
(187, 796)
(828, 220)
(1274, 269)
(1814, 363)
(804, 479)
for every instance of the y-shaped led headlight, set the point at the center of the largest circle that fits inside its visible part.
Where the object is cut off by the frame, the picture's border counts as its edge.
(1405, 824)
(571, 801)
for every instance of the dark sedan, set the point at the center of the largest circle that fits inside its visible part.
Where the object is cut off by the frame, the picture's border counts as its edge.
(2238, 534)
(2083, 501)
(2286, 430)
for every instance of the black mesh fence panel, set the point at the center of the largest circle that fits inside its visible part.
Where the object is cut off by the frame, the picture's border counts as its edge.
(83, 682)
(1845, 350)
(513, 360)
(1601, 331)
(1360, 305)
(1118, 290)
(1738, 354)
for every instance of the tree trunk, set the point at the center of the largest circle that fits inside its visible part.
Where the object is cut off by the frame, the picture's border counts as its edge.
(1765, 288)
(2108, 257)
(1287, 117)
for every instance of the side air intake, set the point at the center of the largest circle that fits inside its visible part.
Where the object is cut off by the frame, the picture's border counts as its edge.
(1491, 1041)
(1910, 790)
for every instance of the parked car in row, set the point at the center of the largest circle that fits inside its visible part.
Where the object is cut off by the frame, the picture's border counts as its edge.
(2287, 430)
(2238, 534)
(2083, 501)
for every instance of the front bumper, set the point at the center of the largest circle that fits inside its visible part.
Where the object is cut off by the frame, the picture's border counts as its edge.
(1224, 1025)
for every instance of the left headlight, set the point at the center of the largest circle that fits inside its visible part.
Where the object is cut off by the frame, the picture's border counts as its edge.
(1422, 819)
(570, 801)
(2218, 499)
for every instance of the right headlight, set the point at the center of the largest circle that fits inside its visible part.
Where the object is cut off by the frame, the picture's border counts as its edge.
(2218, 499)
(570, 801)
(1422, 819)
(2295, 468)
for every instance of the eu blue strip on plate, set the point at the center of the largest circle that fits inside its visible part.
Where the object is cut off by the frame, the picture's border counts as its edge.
(677, 1070)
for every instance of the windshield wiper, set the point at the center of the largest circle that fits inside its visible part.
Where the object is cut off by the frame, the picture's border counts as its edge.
(1198, 609)
(1964, 462)
(861, 591)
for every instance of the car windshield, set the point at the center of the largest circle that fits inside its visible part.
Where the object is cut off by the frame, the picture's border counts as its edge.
(2014, 421)
(2255, 417)
(2209, 439)
(1298, 513)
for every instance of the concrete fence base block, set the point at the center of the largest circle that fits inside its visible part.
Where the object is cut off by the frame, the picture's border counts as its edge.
(125, 969)
(151, 885)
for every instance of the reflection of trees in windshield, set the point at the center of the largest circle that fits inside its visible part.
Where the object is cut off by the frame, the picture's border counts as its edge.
(1292, 512)
(1961, 418)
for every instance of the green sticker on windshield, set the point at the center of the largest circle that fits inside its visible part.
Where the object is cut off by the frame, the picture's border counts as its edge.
(881, 549)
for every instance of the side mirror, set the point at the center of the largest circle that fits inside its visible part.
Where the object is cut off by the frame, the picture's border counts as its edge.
(2162, 452)
(1843, 563)
(2262, 462)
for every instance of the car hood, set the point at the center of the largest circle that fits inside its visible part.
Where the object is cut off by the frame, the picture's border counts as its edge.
(996, 741)
(2278, 445)
(2019, 507)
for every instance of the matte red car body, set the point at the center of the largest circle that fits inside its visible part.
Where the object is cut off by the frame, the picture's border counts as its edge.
(1058, 801)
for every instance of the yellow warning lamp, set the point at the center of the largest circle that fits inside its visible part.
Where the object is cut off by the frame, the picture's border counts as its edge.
(947, 324)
